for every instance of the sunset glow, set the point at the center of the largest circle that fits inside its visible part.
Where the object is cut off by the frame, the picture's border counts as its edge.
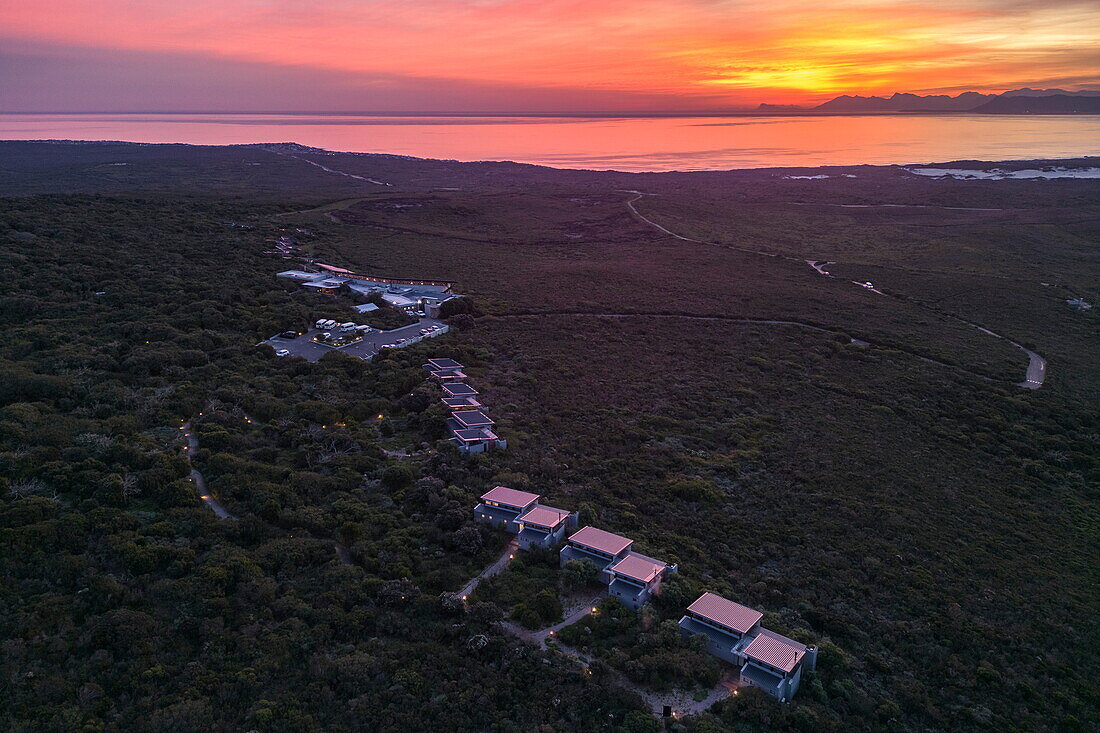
(528, 55)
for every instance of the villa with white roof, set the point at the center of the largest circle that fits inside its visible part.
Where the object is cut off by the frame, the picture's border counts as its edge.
(458, 395)
(544, 526)
(445, 370)
(471, 431)
(733, 633)
(602, 548)
(535, 525)
(502, 506)
(631, 577)
(637, 578)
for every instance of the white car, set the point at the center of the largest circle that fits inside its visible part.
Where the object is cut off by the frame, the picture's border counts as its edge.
(282, 352)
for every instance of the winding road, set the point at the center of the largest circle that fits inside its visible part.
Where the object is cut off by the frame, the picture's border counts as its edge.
(1037, 365)
(196, 477)
(332, 170)
(1035, 372)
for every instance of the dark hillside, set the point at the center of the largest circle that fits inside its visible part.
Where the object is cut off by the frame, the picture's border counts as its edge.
(660, 356)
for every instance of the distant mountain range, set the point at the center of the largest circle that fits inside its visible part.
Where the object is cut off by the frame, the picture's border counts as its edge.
(1017, 101)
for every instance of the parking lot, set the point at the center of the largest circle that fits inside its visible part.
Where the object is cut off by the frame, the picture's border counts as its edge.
(306, 348)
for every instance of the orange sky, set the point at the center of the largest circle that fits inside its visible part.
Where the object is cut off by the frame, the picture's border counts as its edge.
(435, 55)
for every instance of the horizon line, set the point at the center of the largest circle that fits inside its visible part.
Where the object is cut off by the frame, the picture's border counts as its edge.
(753, 112)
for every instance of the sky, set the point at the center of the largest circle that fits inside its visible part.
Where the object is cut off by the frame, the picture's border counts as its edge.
(528, 55)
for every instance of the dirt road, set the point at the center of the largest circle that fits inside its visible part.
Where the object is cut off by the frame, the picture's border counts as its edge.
(1037, 365)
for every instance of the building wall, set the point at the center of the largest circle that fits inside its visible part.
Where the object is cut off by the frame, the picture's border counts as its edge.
(496, 517)
(570, 552)
(719, 643)
(632, 596)
(784, 691)
(528, 539)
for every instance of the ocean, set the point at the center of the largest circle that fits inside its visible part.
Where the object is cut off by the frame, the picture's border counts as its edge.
(601, 143)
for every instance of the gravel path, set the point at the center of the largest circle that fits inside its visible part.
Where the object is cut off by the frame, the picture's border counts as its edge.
(199, 481)
(497, 566)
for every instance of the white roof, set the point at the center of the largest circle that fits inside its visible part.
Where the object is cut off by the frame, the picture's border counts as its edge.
(543, 516)
(398, 300)
(639, 568)
(725, 612)
(510, 497)
(600, 540)
(775, 650)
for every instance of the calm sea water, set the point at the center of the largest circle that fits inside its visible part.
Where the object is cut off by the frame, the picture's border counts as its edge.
(630, 144)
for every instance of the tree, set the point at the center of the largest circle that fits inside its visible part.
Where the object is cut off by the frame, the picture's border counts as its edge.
(577, 574)
(547, 606)
(526, 616)
(397, 477)
(468, 540)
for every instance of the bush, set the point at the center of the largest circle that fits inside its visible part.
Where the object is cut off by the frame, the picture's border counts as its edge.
(526, 616)
(578, 574)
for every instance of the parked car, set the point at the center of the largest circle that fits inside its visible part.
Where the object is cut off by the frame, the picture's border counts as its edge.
(282, 352)
(289, 335)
